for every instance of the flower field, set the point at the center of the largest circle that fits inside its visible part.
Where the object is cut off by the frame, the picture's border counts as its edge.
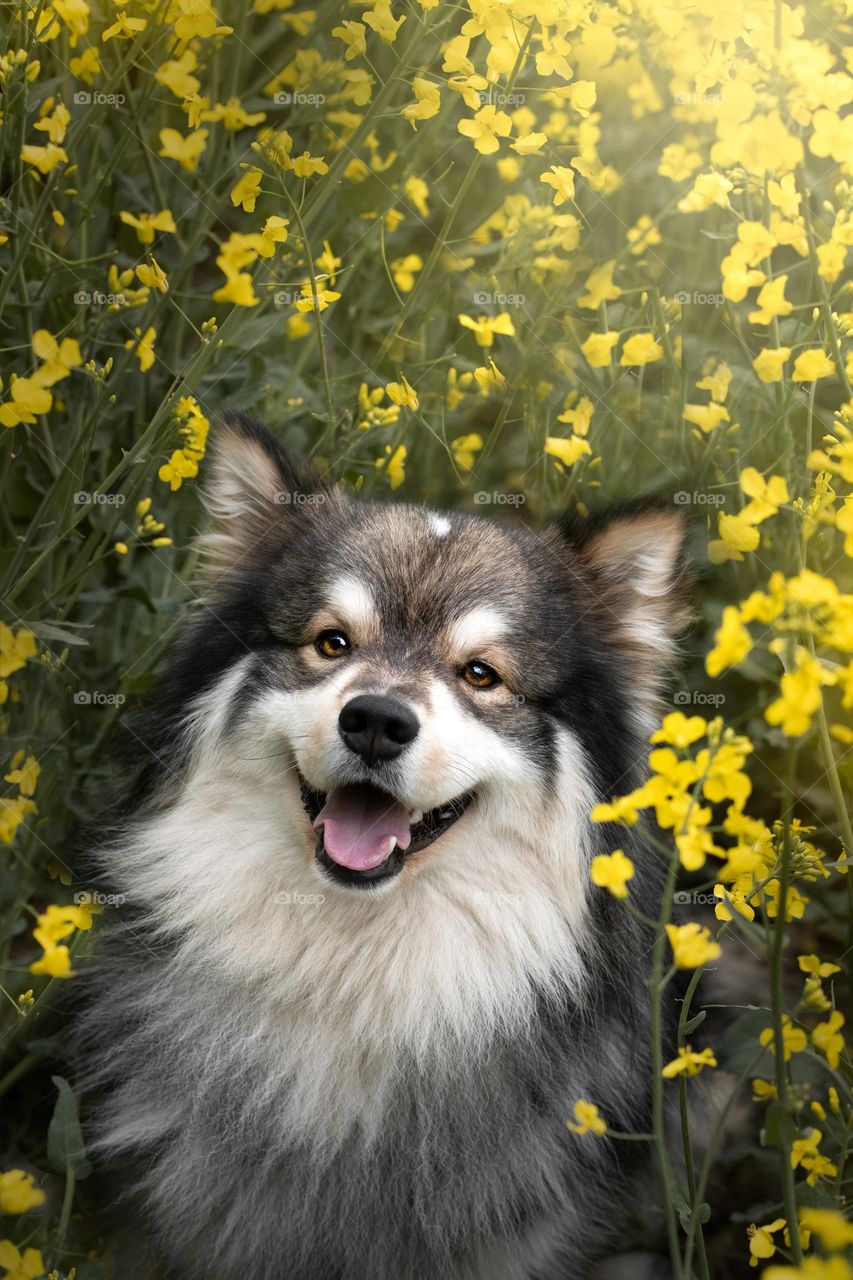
(518, 257)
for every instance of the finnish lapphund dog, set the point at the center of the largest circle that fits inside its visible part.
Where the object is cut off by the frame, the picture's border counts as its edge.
(361, 975)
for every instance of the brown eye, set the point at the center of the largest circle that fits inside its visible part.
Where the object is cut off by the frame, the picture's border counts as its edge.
(480, 675)
(332, 644)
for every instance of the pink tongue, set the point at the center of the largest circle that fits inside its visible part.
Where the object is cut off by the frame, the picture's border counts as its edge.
(358, 822)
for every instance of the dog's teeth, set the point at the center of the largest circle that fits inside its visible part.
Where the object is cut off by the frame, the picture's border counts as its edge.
(416, 815)
(392, 844)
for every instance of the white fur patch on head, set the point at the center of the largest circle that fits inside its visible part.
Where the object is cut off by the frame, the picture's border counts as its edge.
(353, 604)
(440, 525)
(475, 631)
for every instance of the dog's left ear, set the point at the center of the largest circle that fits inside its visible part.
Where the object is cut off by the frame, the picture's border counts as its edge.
(253, 489)
(634, 563)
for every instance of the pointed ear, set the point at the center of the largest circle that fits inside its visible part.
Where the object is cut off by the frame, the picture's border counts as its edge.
(253, 490)
(634, 563)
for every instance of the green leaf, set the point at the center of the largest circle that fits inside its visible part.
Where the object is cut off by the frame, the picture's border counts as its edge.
(696, 1021)
(779, 1129)
(65, 1147)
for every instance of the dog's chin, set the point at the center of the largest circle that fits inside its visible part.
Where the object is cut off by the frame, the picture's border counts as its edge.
(425, 828)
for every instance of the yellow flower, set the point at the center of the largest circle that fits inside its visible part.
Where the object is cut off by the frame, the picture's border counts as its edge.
(769, 361)
(465, 450)
(186, 150)
(737, 535)
(811, 365)
(427, 102)
(563, 182)
(394, 465)
(612, 871)
(404, 270)
(401, 393)
(530, 144)
(708, 189)
(820, 968)
(487, 126)
(804, 1151)
(238, 289)
(679, 730)
(18, 1192)
(59, 358)
(600, 287)
(381, 20)
(144, 347)
(734, 899)
(146, 224)
(794, 1039)
(827, 1037)
(771, 302)
(800, 696)
(86, 66)
(692, 945)
(640, 349)
(45, 159)
(569, 451)
(124, 28)
(598, 348)
(246, 190)
(689, 1063)
(767, 495)
(353, 36)
(180, 467)
(484, 328)
(643, 235)
(153, 276)
(835, 1231)
(306, 165)
(707, 417)
(588, 1119)
(198, 18)
(24, 773)
(761, 1244)
(308, 302)
(29, 399)
(26, 1265)
(16, 648)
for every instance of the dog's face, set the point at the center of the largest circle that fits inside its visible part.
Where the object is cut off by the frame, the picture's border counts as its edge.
(422, 682)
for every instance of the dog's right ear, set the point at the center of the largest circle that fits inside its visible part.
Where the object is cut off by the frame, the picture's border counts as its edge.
(253, 487)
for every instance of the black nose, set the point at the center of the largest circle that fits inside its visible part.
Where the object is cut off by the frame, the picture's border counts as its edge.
(377, 727)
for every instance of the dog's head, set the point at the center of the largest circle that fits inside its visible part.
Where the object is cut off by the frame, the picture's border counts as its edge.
(406, 684)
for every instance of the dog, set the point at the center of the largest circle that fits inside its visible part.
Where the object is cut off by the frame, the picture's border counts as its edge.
(362, 975)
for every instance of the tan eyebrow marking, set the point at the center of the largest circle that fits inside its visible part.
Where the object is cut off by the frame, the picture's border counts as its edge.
(349, 605)
(479, 634)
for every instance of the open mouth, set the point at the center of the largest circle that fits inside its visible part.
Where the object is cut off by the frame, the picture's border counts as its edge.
(364, 834)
